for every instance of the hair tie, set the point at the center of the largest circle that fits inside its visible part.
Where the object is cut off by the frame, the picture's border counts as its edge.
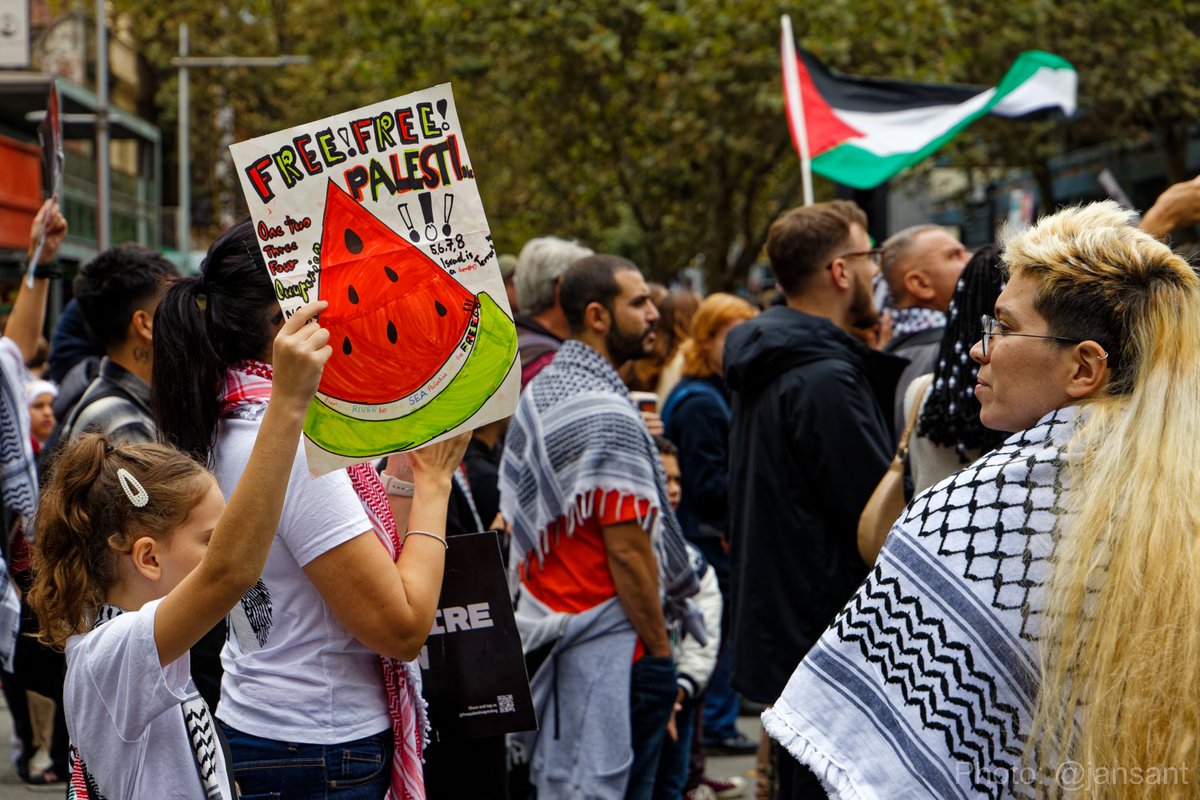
(134, 490)
(108, 448)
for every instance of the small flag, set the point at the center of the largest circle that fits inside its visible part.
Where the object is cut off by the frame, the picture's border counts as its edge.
(862, 131)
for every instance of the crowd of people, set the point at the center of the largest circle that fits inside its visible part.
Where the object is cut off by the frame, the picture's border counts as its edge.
(681, 495)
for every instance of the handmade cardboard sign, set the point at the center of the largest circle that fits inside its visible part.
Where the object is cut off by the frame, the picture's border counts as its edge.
(376, 210)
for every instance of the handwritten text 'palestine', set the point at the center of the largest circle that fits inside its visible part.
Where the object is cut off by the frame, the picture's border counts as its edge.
(424, 167)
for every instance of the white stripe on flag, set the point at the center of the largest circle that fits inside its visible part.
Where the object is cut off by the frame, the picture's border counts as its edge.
(891, 133)
(1046, 87)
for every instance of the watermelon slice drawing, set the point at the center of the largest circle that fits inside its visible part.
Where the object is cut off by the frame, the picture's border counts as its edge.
(415, 354)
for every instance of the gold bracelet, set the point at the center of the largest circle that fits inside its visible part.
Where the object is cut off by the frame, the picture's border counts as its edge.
(441, 539)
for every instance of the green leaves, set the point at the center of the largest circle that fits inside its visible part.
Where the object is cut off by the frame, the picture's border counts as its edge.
(656, 129)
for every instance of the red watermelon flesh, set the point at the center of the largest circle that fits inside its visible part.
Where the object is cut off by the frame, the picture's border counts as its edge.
(394, 314)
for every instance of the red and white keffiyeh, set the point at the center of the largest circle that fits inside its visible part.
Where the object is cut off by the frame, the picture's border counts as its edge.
(245, 395)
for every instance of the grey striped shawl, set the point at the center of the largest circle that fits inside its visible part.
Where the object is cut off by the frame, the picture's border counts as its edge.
(576, 431)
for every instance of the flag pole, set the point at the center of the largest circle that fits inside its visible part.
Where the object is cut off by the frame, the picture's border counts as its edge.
(794, 104)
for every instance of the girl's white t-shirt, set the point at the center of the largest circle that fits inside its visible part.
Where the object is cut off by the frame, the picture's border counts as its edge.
(293, 672)
(125, 715)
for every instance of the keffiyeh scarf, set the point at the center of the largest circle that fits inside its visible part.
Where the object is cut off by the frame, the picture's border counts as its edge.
(18, 481)
(577, 431)
(207, 747)
(19, 477)
(909, 321)
(247, 390)
(924, 685)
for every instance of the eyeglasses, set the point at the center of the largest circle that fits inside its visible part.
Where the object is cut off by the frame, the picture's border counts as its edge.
(991, 327)
(875, 254)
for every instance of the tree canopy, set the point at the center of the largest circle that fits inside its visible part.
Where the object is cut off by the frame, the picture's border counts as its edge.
(656, 129)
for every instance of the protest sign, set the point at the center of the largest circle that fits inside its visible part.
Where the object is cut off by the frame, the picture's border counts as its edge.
(376, 210)
(472, 666)
(51, 138)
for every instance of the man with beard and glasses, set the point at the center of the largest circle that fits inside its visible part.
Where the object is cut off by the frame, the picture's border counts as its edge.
(809, 440)
(597, 558)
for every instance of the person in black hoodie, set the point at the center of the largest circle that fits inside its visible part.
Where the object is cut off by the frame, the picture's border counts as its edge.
(808, 444)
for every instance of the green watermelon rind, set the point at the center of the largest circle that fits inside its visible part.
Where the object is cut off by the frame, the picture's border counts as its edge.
(487, 366)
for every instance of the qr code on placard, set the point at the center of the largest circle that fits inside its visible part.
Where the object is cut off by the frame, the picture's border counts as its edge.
(505, 701)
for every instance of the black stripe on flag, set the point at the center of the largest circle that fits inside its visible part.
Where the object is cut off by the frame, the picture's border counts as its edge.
(856, 93)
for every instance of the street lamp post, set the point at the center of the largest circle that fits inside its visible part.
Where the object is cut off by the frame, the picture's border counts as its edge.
(184, 62)
(103, 174)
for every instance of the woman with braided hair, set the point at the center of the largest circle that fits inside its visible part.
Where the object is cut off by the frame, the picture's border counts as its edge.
(949, 435)
(1029, 629)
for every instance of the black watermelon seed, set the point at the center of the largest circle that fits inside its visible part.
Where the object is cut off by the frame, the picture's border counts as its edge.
(391, 333)
(346, 345)
(392, 276)
(441, 309)
(353, 242)
(353, 295)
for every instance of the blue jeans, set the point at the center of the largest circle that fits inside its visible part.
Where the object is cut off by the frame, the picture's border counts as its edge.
(266, 769)
(721, 701)
(652, 691)
(675, 761)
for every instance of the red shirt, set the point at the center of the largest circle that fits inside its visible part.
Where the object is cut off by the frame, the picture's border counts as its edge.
(574, 574)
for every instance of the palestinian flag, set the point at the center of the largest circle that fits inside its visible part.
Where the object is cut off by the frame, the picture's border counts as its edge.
(862, 131)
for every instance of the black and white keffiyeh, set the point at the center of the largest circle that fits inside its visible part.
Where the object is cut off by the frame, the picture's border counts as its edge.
(18, 479)
(909, 321)
(576, 431)
(18, 482)
(202, 735)
(925, 683)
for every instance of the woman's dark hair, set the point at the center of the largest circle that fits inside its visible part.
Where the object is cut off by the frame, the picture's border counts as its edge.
(205, 324)
(951, 414)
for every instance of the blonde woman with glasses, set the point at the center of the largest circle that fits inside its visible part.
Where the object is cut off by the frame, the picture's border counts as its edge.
(1030, 629)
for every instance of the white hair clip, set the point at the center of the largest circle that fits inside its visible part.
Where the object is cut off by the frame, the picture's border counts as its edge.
(133, 489)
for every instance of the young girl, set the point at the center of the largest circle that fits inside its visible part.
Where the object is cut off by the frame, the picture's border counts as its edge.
(137, 557)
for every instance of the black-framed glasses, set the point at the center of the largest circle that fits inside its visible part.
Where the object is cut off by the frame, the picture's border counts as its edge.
(991, 327)
(875, 254)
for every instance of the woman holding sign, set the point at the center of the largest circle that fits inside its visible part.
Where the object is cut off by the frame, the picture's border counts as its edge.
(316, 697)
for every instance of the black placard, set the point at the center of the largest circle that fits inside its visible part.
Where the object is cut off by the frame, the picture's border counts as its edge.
(472, 665)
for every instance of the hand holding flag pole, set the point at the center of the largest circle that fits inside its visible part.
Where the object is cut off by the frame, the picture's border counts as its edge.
(795, 105)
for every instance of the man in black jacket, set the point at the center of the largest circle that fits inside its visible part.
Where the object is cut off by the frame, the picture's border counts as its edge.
(808, 444)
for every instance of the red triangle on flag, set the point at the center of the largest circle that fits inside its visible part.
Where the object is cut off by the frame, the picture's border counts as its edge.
(825, 129)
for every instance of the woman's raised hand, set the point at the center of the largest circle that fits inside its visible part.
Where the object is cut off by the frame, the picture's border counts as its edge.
(299, 355)
(438, 461)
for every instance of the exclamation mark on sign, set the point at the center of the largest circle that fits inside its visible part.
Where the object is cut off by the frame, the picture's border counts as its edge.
(345, 135)
(426, 200)
(448, 205)
(404, 215)
(441, 107)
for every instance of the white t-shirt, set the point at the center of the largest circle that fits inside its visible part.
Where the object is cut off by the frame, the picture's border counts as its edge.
(125, 713)
(292, 671)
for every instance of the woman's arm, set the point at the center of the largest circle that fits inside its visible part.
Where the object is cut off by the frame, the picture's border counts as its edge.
(388, 606)
(29, 310)
(242, 539)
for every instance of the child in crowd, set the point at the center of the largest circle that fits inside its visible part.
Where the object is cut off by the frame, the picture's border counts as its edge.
(40, 395)
(681, 765)
(136, 557)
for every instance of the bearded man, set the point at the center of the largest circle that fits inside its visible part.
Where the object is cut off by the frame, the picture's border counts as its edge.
(594, 538)
(808, 444)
